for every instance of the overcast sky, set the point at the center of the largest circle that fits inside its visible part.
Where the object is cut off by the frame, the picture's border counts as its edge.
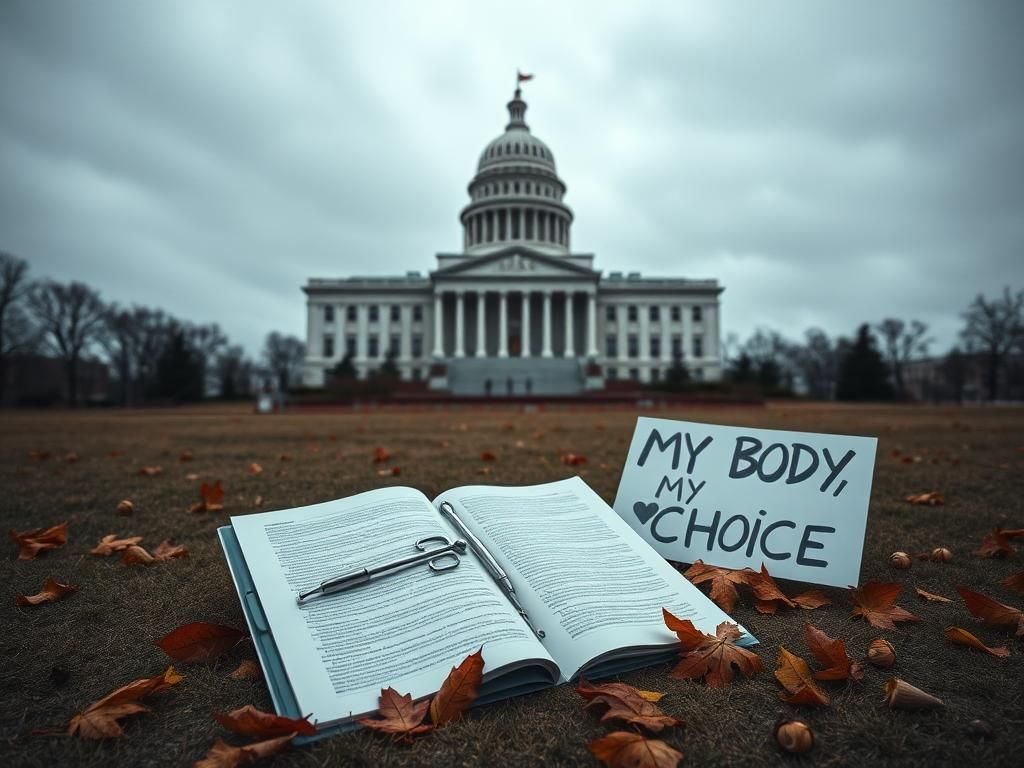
(829, 163)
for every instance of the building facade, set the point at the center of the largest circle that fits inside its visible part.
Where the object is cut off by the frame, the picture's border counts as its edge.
(516, 310)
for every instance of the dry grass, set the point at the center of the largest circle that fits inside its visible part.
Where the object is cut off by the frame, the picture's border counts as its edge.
(102, 636)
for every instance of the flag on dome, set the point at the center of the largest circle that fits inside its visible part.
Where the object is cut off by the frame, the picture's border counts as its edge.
(521, 78)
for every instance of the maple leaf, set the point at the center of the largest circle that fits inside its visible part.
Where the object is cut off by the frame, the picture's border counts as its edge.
(250, 721)
(928, 498)
(100, 719)
(212, 498)
(624, 749)
(1014, 582)
(723, 582)
(626, 704)
(710, 657)
(992, 612)
(31, 543)
(487, 456)
(831, 653)
(165, 551)
(997, 544)
(573, 459)
(795, 676)
(459, 690)
(223, 755)
(52, 590)
(151, 471)
(768, 597)
(931, 596)
(247, 670)
(381, 455)
(399, 716)
(110, 544)
(199, 641)
(876, 603)
(961, 636)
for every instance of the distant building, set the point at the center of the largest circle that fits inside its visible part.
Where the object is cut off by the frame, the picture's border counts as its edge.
(37, 380)
(963, 378)
(516, 306)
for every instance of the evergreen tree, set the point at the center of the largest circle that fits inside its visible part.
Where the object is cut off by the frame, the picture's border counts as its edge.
(863, 374)
(179, 370)
(677, 376)
(344, 369)
(390, 368)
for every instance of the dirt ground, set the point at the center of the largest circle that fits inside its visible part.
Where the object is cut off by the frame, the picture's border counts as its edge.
(60, 657)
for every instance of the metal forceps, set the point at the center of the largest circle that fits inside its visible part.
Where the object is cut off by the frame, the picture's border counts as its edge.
(438, 559)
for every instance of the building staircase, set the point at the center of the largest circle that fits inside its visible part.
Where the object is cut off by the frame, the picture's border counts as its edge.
(515, 376)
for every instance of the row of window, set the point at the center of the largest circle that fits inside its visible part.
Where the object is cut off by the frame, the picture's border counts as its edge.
(373, 346)
(395, 313)
(633, 346)
(697, 374)
(654, 313)
(513, 223)
(514, 149)
(530, 188)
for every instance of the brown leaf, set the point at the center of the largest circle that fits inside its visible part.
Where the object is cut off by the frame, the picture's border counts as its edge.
(651, 695)
(767, 595)
(487, 456)
(459, 690)
(151, 471)
(624, 749)
(795, 676)
(811, 599)
(573, 459)
(110, 544)
(1014, 582)
(185, 456)
(166, 551)
(250, 721)
(992, 612)
(31, 543)
(831, 653)
(247, 670)
(710, 657)
(876, 603)
(199, 641)
(381, 455)
(926, 595)
(997, 544)
(389, 471)
(212, 498)
(399, 716)
(255, 469)
(100, 719)
(723, 582)
(626, 704)
(929, 498)
(961, 636)
(223, 755)
(52, 590)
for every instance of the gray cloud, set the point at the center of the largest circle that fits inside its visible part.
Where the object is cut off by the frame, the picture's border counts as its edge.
(830, 163)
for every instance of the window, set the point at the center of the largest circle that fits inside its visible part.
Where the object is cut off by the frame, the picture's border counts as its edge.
(350, 313)
(611, 374)
(508, 148)
(350, 345)
(654, 314)
(655, 374)
(328, 314)
(372, 347)
(631, 313)
(698, 346)
(515, 187)
(696, 314)
(609, 314)
(611, 346)
(528, 187)
(655, 347)
(517, 147)
(676, 314)
(374, 313)
(417, 345)
(677, 346)
(395, 345)
(417, 314)
(504, 187)
(328, 346)
(533, 151)
(634, 374)
(396, 313)
(634, 345)
(499, 150)
(417, 374)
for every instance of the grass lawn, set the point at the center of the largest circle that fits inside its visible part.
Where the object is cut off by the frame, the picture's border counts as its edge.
(57, 658)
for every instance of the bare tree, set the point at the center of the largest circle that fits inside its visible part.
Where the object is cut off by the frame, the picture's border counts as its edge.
(207, 341)
(901, 344)
(16, 331)
(817, 360)
(283, 355)
(994, 327)
(234, 373)
(152, 329)
(70, 317)
(119, 338)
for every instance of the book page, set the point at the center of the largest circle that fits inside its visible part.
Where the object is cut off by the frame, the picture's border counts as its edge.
(584, 576)
(404, 630)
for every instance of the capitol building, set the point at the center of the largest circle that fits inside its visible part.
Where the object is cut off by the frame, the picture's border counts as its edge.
(516, 311)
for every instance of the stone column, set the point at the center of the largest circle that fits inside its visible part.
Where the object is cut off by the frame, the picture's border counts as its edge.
(526, 325)
(438, 325)
(311, 310)
(546, 349)
(481, 320)
(362, 331)
(384, 336)
(645, 335)
(620, 332)
(503, 324)
(687, 341)
(339, 331)
(405, 348)
(460, 326)
(570, 326)
(591, 325)
(666, 336)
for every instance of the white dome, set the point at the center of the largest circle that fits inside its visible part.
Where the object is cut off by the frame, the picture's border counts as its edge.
(515, 147)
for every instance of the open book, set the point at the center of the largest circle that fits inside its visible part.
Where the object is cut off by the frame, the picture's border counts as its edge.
(593, 586)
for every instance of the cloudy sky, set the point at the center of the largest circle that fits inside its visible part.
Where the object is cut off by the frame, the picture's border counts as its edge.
(830, 163)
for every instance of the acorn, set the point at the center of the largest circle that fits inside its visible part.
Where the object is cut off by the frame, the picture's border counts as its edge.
(794, 736)
(899, 560)
(881, 653)
(899, 694)
(125, 507)
(941, 555)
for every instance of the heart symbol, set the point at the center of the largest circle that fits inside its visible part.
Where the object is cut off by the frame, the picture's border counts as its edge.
(645, 511)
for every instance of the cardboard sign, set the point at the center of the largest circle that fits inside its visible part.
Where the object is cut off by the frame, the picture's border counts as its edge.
(733, 497)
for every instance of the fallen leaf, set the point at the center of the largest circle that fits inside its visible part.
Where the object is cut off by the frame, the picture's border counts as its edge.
(258, 501)
(458, 691)
(831, 653)
(484, 470)
(1014, 582)
(652, 695)
(487, 456)
(192, 476)
(151, 471)
(992, 612)
(389, 471)
(284, 457)
(811, 599)
(710, 657)
(876, 603)
(39, 455)
(223, 755)
(247, 670)
(110, 544)
(997, 544)
(164, 552)
(52, 590)
(255, 469)
(31, 543)
(961, 636)
(573, 459)
(381, 455)
(250, 721)
(185, 456)
(125, 507)
(399, 716)
(929, 498)
(767, 595)
(625, 703)
(624, 749)
(212, 498)
(100, 719)
(925, 595)
(723, 582)
(795, 676)
(71, 457)
(199, 641)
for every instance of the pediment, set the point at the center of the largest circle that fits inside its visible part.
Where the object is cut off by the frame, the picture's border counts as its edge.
(515, 262)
